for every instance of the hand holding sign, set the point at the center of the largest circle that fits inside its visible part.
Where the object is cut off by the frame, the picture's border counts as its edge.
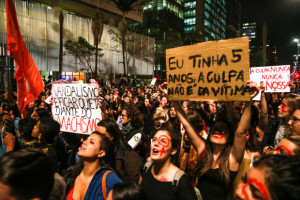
(254, 89)
(262, 86)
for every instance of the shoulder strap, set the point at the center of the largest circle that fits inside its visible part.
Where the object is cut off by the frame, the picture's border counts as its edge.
(104, 183)
(147, 166)
(177, 177)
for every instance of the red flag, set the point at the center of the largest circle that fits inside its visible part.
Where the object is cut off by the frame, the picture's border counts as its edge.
(29, 81)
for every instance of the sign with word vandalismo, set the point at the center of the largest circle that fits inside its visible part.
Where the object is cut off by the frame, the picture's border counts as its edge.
(275, 78)
(75, 107)
(216, 70)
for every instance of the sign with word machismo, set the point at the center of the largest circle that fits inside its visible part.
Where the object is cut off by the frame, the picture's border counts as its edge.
(275, 78)
(215, 70)
(75, 107)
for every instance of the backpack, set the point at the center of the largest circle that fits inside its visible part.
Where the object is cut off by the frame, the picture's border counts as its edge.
(176, 179)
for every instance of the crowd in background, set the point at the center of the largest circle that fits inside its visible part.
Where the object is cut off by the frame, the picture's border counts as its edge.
(147, 147)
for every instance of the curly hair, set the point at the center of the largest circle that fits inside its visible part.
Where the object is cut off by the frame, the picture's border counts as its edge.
(135, 116)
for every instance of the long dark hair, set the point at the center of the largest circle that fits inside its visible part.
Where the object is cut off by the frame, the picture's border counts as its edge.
(107, 160)
(135, 116)
(207, 161)
(251, 143)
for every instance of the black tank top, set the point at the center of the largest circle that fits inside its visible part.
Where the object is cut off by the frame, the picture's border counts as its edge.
(212, 187)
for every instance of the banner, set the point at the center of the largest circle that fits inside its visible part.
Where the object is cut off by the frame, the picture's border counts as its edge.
(29, 81)
(75, 107)
(275, 78)
(216, 70)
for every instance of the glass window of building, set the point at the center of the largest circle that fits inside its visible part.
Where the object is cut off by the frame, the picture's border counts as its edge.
(159, 5)
(190, 4)
(207, 7)
(206, 15)
(190, 13)
(164, 3)
(206, 23)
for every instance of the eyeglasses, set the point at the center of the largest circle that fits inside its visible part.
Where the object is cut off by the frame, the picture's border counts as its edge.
(294, 120)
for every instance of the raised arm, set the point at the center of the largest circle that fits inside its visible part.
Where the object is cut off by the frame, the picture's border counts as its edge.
(263, 119)
(239, 144)
(230, 114)
(197, 142)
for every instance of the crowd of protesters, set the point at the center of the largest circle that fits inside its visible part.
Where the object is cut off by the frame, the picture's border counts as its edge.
(147, 147)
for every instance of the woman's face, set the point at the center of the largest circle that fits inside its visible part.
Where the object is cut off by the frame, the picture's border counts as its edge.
(90, 148)
(127, 100)
(254, 186)
(135, 100)
(124, 118)
(164, 102)
(147, 102)
(286, 147)
(219, 133)
(283, 109)
(185, 106)
(275, 97)
(161, 147)
(173, 113)
(212, 108)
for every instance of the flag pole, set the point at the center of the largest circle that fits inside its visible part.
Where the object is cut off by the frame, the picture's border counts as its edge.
(8, 81)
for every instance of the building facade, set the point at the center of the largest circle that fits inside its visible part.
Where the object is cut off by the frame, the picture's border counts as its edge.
(206, 17)
(233, 18)
(39, 27)
(163, 20)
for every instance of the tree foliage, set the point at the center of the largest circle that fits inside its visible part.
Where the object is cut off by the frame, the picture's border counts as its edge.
(134, 47)
(125, 6)
(83, 52)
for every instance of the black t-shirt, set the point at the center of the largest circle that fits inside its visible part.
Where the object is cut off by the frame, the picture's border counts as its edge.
(158, 190)
(212, 187)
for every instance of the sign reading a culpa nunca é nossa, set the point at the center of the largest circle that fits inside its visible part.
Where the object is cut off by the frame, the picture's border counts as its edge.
(275, 78)
(215, 70)
(75, 107)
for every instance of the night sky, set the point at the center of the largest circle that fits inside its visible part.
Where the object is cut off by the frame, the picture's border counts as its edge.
(283, 18)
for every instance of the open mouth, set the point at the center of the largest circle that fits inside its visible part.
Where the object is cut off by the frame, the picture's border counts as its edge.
(155, 151)
(218, 136)
(81, 148)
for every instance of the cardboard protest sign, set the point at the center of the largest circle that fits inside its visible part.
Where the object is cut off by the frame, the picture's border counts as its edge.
(216, 70)
(275, 78)
(75, 107)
